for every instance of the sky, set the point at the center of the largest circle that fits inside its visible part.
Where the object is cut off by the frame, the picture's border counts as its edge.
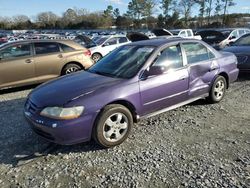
(32, 7)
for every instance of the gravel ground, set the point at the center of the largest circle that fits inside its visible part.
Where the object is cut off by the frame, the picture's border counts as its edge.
(198, 145)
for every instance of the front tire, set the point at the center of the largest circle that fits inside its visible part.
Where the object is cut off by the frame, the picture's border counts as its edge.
(113, 126)
(218, 90)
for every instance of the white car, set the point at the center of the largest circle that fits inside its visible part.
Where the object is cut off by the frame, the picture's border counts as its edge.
(185, 33)
(107, 44)
(232, 35)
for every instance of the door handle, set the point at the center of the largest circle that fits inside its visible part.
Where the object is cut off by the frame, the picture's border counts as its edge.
(182, 78)
(28, 61)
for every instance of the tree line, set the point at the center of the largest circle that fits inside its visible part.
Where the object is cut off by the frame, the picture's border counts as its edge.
(139, 14)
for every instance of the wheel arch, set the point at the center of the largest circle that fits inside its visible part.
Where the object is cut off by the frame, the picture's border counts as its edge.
(225, 75)
(72, 62)
(126, 104)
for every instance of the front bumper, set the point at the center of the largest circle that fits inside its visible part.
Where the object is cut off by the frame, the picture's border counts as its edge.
(64, 132)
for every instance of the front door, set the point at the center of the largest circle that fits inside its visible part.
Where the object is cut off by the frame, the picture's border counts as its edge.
(16, 65)
(166, 89)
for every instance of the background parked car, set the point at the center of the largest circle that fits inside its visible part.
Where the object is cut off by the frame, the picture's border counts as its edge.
(212, 37)
(35, 61)
(241, 48)
(107, 44)
(231, 35)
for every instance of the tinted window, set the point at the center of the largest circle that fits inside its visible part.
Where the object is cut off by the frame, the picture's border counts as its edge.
(18, 50)
(182, 34)
(241, 32)
(111, 41)
(171, 57)
(46, 48)
(243, 41)
(66, 48)
(123, 39)
(189, 33)
(123, 62)
(196, 52)
(234, 34)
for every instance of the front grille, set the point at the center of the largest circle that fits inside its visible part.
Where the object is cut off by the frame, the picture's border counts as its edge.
(242, 59)
(31, 107)
(43, 133)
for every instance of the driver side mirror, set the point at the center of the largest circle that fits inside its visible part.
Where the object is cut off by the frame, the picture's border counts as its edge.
(232, 37)
(154, 70)
(105, 44)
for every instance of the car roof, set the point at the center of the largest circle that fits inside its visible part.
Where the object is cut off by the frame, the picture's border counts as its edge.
(160, 41)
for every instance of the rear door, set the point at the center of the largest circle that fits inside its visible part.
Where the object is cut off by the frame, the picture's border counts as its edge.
(202, 68)
(48, 60)
(16, 65)
(167, 89)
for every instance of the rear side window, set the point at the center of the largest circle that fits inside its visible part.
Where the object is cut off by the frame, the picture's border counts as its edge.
(66, 48)
(197, 52)
(46, 48)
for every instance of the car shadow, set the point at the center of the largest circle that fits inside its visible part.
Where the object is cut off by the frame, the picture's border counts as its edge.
(243, 76)
(17, 89)
(20, 145)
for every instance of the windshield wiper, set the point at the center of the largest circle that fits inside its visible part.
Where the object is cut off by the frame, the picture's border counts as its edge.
(102, 73)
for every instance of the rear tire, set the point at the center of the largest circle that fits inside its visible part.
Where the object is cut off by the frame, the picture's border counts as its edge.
(71, 68)
(218, 90)
(112, 126)
(96, 57)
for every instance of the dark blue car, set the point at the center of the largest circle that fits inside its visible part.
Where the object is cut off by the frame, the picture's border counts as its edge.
(135, 81)
(241, 48)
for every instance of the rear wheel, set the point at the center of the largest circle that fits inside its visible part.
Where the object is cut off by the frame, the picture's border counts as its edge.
(218, 90)
(71, 68)
(112, 126)
(96, 57)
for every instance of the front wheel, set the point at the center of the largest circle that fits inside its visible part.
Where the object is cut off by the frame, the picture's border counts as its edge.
(218, 90)
(112, 126)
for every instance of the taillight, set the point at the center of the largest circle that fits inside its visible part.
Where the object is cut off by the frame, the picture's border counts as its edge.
(87, 53)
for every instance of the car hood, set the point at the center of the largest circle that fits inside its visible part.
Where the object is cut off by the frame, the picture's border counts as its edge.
(238, 49)
(60, 91)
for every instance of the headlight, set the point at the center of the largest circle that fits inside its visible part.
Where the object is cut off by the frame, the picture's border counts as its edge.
(62, 113)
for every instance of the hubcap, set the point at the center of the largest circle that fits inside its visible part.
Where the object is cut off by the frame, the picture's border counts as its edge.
(96, 57)
(71, 70)
(115, 127)
(219, 89)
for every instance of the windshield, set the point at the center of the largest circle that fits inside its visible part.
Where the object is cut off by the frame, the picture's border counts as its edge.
(243, 41)
(101, 40)
(124, 62)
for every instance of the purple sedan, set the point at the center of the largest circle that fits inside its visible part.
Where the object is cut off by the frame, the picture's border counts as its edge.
(135, 81)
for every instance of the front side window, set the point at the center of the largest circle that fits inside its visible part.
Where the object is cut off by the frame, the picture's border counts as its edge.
(123, 40)
(197, 52)
(124, 62)
(17, 50)
(170, 58)
(241, 32)
(243, 41)
(111, 41)
(182, 34)
(46, 48)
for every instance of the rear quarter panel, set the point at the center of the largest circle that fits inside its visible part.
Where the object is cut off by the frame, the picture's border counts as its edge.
(228, 64)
